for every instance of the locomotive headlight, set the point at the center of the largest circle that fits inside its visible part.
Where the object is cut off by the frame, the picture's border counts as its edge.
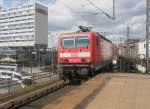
(62, 60)
(85, 60)
(66, 60)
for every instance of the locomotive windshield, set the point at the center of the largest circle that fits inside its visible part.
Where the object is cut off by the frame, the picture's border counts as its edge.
(68, 42)
(82, 41)
(79, 41)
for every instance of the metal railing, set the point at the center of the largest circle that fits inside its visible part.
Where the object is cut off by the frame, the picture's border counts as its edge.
(35, 75)
(125, 64)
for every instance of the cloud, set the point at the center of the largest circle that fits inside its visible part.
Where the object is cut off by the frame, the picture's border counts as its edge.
(66, 15)
(1, 3)
(63, 14)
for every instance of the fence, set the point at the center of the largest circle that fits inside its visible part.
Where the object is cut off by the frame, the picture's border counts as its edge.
(25, 74)
(135, 65)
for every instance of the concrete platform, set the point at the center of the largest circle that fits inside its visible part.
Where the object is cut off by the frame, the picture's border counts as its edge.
(107, 91)
(123, 93)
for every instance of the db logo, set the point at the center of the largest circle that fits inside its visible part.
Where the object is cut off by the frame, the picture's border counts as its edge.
(74, 54)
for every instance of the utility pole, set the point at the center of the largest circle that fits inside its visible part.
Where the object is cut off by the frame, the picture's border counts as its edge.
(128, 32)
(147, 27)
(52, 36)
(128, 48)
(147, 33)
(128, 35)
(114, 16)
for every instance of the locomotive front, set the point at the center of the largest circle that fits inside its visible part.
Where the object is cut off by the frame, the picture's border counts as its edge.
(74, 55)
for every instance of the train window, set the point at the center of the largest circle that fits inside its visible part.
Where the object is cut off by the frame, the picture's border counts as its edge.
(68, 42)
(82, 41)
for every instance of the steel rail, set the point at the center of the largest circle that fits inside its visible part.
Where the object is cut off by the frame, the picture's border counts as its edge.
(27, 98)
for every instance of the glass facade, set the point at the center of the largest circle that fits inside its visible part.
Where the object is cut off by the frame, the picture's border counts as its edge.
(17, 26)
(23, 32)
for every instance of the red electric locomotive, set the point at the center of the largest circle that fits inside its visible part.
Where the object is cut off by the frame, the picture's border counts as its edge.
(81, 53)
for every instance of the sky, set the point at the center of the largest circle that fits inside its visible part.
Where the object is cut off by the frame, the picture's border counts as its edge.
(67, 15)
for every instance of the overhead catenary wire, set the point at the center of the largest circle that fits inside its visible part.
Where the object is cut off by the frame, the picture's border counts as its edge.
(103, 10)
(88, 13)
(76, 12)
(83, 14)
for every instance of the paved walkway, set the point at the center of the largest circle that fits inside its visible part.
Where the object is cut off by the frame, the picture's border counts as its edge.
(124, 93)
(117, 91)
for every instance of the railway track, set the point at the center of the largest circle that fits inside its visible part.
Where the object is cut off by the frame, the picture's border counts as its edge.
(67, 91)
(27, 98)
(53, 97)
(46, 94)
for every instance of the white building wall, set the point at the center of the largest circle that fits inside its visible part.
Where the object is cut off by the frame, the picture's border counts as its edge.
(18, 26)
(142, 48)
(41, 24)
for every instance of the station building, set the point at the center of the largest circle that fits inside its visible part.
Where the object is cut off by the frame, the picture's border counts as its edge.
(135, 48)
(142, 48)
(23, 32)
(129, 48)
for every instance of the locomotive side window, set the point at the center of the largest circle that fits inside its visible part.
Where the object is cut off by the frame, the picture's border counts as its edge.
(68, 42)
(82, 41)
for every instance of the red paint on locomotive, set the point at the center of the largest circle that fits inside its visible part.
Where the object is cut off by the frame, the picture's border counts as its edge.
(98, 51)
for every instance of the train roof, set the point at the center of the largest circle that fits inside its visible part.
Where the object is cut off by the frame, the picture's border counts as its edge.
(104, 37)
